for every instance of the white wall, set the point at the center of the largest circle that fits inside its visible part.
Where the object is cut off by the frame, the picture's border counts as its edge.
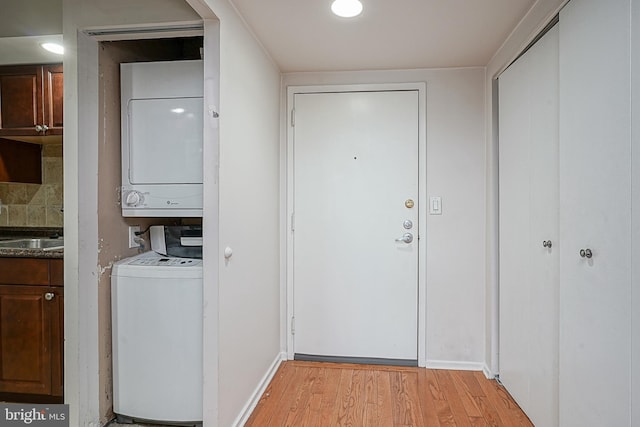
(455, 267)
(635, 207)
(249, 282)
(530, 25)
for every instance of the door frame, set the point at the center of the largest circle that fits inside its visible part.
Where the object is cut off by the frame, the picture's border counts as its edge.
(287, 223)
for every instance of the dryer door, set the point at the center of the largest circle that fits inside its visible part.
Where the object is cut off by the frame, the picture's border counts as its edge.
(165, 137)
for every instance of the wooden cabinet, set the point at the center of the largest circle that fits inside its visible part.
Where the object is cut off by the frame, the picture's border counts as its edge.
(31, 329)
(20, 162)
(31, 98)
(53, 97)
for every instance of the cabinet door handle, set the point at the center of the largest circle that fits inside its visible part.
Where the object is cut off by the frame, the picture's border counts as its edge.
(45, 128)
(546, 243)
(39, 128)
(49, 296)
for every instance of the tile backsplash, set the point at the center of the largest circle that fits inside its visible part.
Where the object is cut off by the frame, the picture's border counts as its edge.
(35, 205)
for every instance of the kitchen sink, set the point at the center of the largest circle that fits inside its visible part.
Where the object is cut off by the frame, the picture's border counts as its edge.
(44, 244)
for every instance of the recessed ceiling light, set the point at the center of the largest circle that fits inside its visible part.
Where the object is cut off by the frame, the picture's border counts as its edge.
(53, 47)
(346, 8)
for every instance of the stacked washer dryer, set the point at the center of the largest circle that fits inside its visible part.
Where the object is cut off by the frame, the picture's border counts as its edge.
(157, 330)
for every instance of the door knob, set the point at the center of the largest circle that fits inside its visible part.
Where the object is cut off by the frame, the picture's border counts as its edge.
(406, 238)
(407, 224)
(546, 243)
(49, 296)
(586, 253)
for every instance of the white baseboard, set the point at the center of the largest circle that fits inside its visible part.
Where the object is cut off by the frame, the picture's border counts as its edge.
(455, 366)
(487, 372)
(251, 404)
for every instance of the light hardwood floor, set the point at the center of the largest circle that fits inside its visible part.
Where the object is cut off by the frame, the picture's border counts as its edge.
(328, 394)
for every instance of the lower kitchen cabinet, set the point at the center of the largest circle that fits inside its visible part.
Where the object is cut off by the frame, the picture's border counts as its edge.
(31, 330)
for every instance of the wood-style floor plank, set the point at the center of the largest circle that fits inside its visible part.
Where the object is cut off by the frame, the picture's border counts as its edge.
(427, 400)
(463, 389)
(443, 409)
(312, 394)
(460, 415)
(385, 399)
(508, 410)
(274, 392)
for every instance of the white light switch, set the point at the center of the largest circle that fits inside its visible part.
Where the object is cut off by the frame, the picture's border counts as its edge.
(435, 205)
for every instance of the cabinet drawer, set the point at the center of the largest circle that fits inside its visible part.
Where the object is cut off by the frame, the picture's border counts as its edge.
(24, 271)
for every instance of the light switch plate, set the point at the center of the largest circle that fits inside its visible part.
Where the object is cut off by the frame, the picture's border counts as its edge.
(435, 205)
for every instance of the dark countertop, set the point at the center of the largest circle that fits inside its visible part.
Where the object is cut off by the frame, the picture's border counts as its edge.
(31, 253)
(9, 233)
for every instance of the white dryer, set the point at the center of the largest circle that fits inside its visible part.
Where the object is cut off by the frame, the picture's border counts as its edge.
(157, 339)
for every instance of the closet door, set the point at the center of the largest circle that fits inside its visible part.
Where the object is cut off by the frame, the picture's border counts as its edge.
(595, 214)
(528, 217)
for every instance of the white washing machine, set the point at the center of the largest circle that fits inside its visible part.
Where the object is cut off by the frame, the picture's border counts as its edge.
(156, 308)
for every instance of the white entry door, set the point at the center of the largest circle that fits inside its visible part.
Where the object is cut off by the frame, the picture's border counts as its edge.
(355, 205)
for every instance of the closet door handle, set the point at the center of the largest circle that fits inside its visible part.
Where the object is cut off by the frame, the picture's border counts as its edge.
(546, 243)
(586, 253)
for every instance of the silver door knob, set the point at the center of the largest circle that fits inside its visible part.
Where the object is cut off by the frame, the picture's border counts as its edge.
(39, 128)
(45, 128)
(49, 296)
(406, 238)
(407, 224)
(546, 243)
(586, 253)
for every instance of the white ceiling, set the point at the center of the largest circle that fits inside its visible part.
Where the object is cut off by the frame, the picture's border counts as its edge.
(303, 35)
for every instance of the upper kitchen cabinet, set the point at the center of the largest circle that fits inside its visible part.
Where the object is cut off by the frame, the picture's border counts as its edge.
(53, 96)
(31, 100)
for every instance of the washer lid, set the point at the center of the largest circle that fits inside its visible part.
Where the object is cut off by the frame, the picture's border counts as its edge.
(167, 261)
(151, 264)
